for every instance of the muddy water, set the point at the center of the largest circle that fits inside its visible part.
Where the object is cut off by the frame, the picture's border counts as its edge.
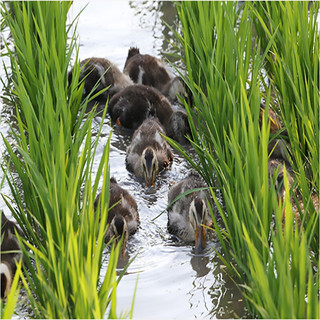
(172, 281)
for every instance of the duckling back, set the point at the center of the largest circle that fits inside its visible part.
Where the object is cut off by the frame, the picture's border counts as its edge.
(103, 73)
(148, 70)
(132, 105)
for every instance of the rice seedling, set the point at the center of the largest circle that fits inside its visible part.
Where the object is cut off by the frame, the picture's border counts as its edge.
(53, 157)
(225, 74)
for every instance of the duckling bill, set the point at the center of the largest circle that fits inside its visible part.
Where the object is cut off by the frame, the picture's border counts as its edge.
(197, 217)
(150, 166)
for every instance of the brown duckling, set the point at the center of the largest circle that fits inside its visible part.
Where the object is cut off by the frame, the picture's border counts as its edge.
(148, 153)
(104, 72)
(8, 260)
(275, 125)
(276, 165)
(148, 70)
(277, 148)
(123, 218)
(132, 105)
(189, 215)
(178, 127)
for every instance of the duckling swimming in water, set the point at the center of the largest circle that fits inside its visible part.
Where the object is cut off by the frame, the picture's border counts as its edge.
(189, 215)
(148, 153)
(148, 70)
(8, 260)
(123, 218)
(104, 72)
(132, 105)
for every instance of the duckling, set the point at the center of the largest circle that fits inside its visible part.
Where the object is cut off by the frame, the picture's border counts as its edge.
(275, 125)
(178, 127)
(275, 165)
(8, 260)
(104, 72)
(314, 198)
(148, 153)
(123, 218)
(148, 70)
(132, 105)
(277, 148)
(278, 165)
(189, 215)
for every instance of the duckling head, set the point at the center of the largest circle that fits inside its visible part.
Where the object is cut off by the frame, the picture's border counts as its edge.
(197, 217)
(150, 166)
(119, 230)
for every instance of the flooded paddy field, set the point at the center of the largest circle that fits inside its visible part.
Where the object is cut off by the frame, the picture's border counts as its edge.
(172, 281)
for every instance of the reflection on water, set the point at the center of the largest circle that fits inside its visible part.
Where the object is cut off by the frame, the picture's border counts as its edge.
(161, 17)
(200, 265)
(173, 282)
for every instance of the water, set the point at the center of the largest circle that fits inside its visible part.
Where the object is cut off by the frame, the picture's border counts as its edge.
(173, 282)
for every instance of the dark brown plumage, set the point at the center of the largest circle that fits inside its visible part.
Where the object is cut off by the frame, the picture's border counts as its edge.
(103, 72)
(132, 105)
(148, 70)
(123, 218)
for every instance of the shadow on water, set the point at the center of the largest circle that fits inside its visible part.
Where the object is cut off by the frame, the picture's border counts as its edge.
(174, 282)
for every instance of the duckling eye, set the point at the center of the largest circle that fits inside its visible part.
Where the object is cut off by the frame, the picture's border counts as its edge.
(165, 164)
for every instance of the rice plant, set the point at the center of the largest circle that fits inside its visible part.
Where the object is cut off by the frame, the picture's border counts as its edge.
(53, 197)
(293, 68)
(225, 65)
